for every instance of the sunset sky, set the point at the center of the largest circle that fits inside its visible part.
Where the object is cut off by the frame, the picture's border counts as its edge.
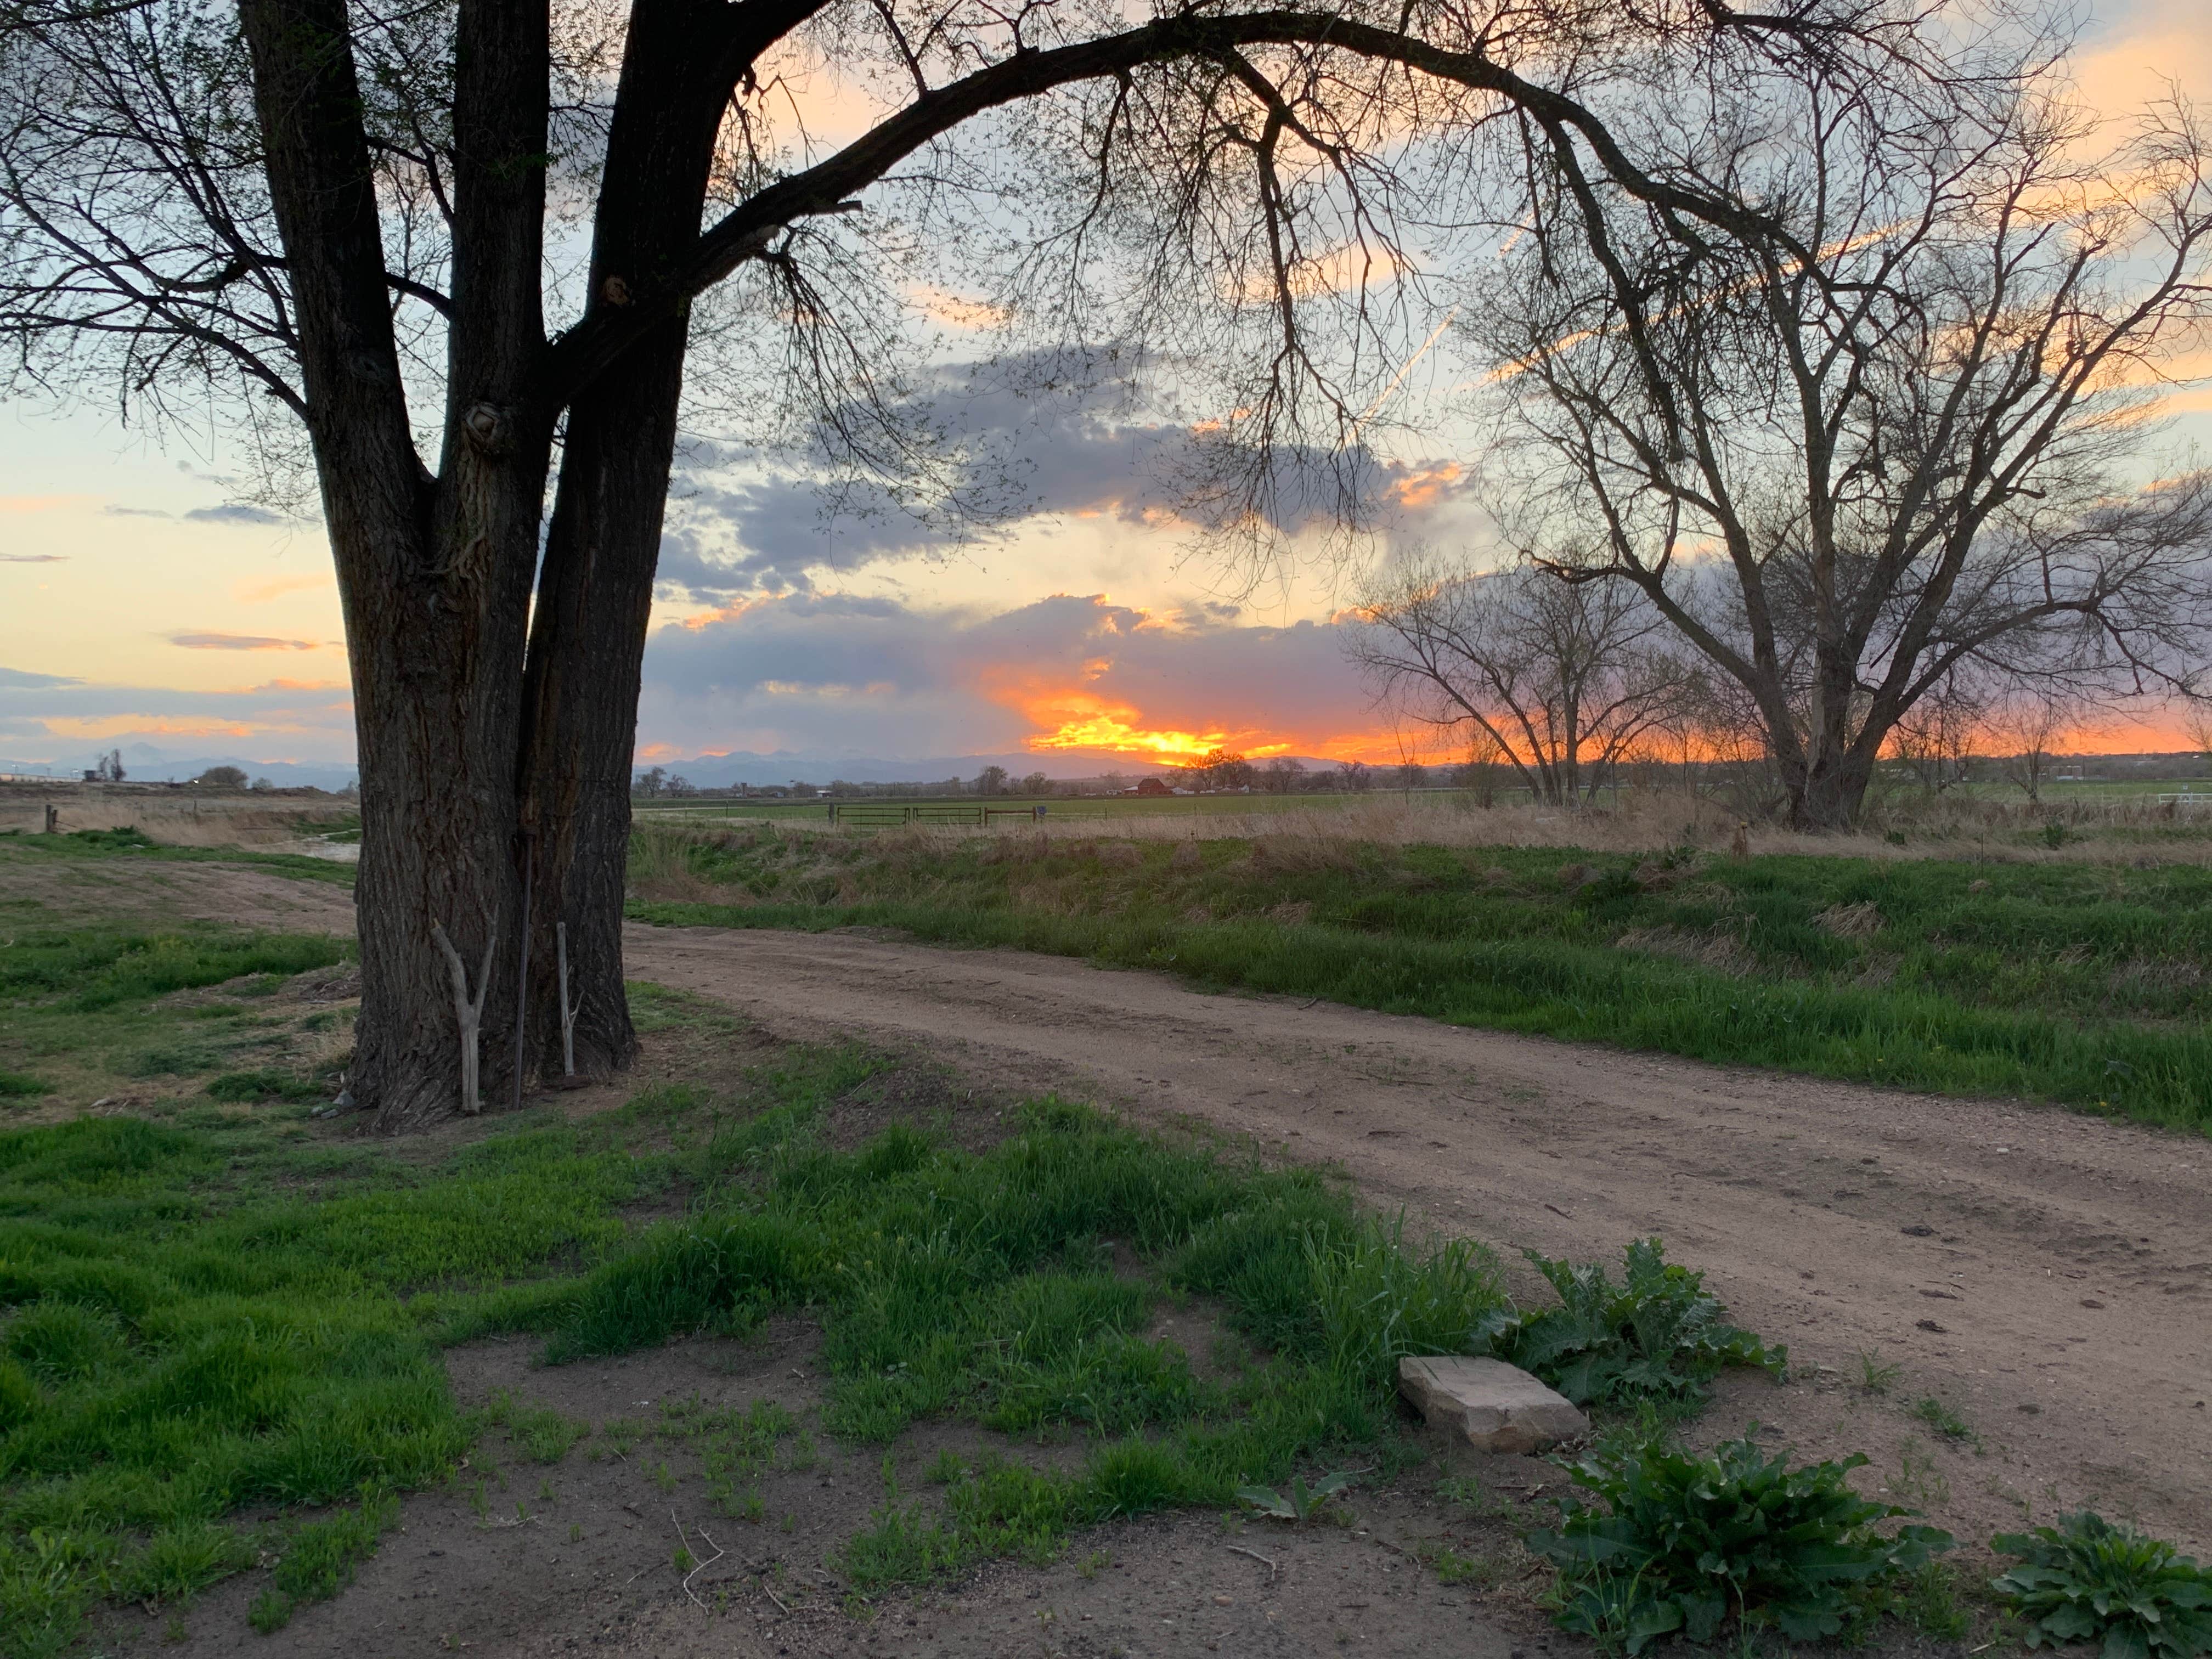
(142, 603)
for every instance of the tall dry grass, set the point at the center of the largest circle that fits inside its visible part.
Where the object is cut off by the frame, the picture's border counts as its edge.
(2125, 831)
(176, 819)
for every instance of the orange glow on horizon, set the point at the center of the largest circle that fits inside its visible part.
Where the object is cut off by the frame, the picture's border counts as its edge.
(1116, 735)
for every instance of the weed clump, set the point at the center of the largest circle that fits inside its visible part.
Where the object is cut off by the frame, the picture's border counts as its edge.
(1657, 1336)
(1687, 1544)
(2086, 1580)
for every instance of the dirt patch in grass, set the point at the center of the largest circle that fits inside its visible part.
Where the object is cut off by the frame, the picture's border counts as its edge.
(522, 1555)
(924, 1095)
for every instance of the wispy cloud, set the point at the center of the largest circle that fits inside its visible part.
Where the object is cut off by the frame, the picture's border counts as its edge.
(303, 716)
(275, 587)
(34, 558)
(235, 513)
(207, 641)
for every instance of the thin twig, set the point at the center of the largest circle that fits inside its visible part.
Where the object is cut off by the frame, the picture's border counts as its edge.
(700, 1567)
(1239, 1549)
(773, 1597)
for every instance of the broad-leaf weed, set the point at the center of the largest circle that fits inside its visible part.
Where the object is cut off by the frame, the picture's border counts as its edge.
(1658, 1335)
(1296, 1501)
(1684, 1544)
(2086, 1580)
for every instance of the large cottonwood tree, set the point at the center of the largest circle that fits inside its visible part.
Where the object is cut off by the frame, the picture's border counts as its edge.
(340, 229)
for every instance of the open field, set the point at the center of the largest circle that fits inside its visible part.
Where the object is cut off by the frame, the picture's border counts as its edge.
(2029, 974)
(1085, 807)
(288, 819)
(2125, 826)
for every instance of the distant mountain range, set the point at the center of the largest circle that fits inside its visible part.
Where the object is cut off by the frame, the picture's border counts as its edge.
(144, 763)
(786, 766)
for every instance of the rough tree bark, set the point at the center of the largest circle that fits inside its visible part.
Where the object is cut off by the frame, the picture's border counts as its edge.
(595, 590)
(434, 575)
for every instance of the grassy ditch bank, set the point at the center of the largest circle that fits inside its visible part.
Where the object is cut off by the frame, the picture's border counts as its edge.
(2082, 984)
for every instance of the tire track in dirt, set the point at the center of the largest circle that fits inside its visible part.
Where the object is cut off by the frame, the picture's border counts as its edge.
(2048, 1275)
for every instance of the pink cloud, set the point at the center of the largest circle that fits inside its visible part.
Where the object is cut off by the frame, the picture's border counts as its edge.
(210, 642)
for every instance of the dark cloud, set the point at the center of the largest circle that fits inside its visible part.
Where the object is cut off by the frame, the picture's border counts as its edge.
(1018, 441)
(114, 512)
(206, 641)
(19, 679)
(871, 675)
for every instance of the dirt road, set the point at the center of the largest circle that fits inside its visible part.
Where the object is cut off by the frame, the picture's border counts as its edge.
(2045, 1278)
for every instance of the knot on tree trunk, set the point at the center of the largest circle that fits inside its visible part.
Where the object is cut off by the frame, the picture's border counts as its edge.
(489, 428)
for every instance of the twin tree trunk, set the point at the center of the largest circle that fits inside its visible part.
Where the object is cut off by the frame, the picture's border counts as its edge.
(496, 770)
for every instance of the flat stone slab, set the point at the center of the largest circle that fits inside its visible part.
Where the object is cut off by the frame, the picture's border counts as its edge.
(1498, 1408)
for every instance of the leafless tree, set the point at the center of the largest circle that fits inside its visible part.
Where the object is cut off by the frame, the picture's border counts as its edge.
(1221, 768)
(1283, 775)
(1561, 678)
(1935, 739)
(1895, 446)
(2025, 729)
(1477, 773)
(451, 259)
(2197, 726)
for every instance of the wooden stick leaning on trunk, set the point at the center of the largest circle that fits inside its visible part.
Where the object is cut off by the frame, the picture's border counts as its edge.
(467, 1011)
(522, 967)
(568, 1014)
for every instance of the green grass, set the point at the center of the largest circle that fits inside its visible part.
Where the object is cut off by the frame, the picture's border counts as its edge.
(217, 1315)
(93, 1011)
(1057, 806)
(983, 1285)
(1900, 797)
(2086, 984)
(78, 845)
(189, 1333)
(212, 1315)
